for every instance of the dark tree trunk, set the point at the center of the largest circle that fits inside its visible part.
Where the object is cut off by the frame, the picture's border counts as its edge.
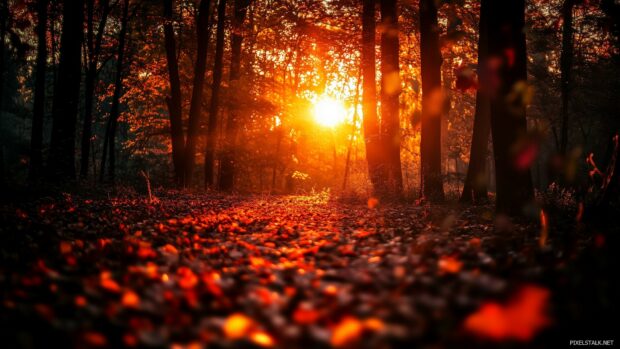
(36, 138)
(390, 91)
(215, 95)
(508, 122)
(566, 65)
(372, 133)
(227, 169)
(4, 15)
(175, 110)
(66, 94)
(193, 130)
(110, 136)
(475, 188)
(93, 45)
(432, 102)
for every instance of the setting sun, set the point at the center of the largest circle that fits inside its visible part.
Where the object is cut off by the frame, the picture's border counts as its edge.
(329, 112)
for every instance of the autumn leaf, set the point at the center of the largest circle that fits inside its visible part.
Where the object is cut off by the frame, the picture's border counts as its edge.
(520, 319)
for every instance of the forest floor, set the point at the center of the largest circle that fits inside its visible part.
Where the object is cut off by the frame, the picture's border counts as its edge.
(194, 270)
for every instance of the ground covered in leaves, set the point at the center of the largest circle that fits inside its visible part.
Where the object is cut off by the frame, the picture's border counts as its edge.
(296, 271)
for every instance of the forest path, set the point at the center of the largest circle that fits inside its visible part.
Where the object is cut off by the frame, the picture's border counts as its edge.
(296, 271)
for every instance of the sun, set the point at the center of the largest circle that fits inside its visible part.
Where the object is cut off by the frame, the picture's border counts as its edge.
(329, 112)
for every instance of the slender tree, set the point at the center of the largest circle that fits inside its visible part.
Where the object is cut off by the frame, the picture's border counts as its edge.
(61, 161)
(93, 48)
(432, 102)
(109, 144)
(475, 188)
(38, 114)
(508, 123)
(390, 91)
(195, 115)
(372, 133)
(215, 93)
(566, 65)
(175, 110)
(227, 168)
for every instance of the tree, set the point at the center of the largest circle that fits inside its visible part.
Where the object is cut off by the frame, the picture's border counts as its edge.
(109, 143)
(93, 50)
(566, 65)
(372, 135)
(66, 94)
(475, 188)
(390, 91)
(507, 84)
(227, 168)
(202, 39)
(215, 95)
(38, 113)
(432, 102)
(173, 102)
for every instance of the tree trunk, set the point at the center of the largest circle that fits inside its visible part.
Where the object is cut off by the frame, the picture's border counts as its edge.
(93, 45)
(372, 135)
(508, 122)
(566, 65)
(202, 38)
(215, 94)
(475, 187)
(227, 169)
(36, 139)
(110, 137)
(432, 102)
(175, 110)
(390, 91)
(67, 92)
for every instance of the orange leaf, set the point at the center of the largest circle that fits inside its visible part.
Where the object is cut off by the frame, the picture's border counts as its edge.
(130, 299)
(521, 318)
(347, 331)
(449, 264)
(237, 326)
(262, 339)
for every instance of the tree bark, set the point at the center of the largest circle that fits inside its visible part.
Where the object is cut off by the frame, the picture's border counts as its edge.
(432, 103)
(215, 94)
(175, 110)
(372, 133)
(227, 168)
(475, 187)
(566, 65)
(66, 95)
(110, 137)
(390, 92)
(508, 122)
(93, 45)
(202, 38)
(36, 139)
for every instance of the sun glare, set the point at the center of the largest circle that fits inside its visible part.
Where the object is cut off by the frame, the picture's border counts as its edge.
(329, 112)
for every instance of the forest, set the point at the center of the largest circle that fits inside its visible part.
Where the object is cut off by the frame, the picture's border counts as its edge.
(309, 173)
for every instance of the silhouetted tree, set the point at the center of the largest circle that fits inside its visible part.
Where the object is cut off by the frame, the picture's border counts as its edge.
(508, 123)
(227, 168)
(93, 50)
(475, 187)
(390, 91)
(215, 95)
(109, 144)
(372, 133)
(38, 113)
(61, 161)
(566, 65)
(432, 102)
(173, 102)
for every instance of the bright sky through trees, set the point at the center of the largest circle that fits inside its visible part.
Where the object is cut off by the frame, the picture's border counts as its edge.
(329, 112)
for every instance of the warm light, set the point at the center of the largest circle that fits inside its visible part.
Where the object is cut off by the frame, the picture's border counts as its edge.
(329, 112)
